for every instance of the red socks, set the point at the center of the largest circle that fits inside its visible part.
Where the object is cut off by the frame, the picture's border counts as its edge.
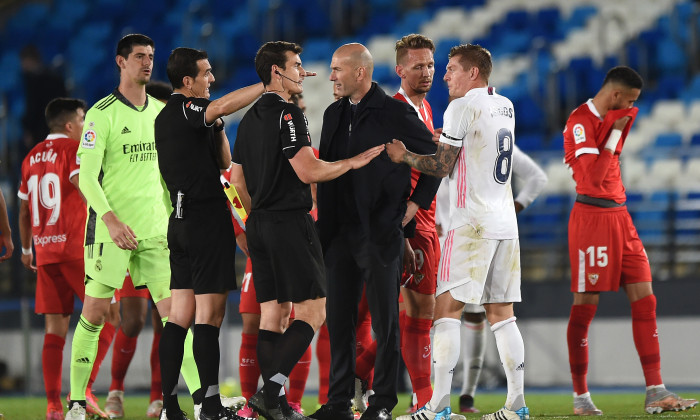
(365, 361)
(248, 369)
(646, 338)
(51, 363)
(297, 378)
(415, 348)
(577, 338)
(156, 388)
(323, 354)
(124, 348)
(105, 340)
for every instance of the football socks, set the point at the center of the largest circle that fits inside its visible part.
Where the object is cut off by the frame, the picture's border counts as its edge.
(298, 377)
(646, 338)
(83, 353)
(577, 339)
(124, 348)
(445, 357)
(415, 348)
(473, 349)
(511, 350)
(205, 347)
(51, 364)
(248, 369)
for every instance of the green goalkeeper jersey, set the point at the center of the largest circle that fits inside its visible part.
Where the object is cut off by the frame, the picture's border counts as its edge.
(119, 168)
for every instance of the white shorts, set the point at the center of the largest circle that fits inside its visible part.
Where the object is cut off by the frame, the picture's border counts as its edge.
(471, 308)
(476, 270)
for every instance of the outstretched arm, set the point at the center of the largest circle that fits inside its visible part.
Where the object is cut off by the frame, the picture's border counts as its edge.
(440, 164)
(233, 101)
(309, 169)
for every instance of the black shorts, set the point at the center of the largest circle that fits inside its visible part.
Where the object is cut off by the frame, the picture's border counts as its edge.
(202, 249)
(286, 255)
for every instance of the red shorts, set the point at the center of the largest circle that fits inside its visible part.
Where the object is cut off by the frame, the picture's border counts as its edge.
(128, 289)
(605, 250)
(57, 285)
(426, 246)
(249, 303)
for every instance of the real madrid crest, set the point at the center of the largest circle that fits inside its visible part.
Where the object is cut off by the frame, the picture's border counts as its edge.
(98, 265)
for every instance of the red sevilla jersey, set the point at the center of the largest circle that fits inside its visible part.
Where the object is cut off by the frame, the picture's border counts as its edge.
(57, 212)
(587, 133)
(425, 219)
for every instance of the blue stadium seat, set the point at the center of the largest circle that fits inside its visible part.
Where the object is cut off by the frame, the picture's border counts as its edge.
(411, 22)
(529, 142)
(384, 74)
(546, 24)
(695, 140)
(668, 140)
(317, 49)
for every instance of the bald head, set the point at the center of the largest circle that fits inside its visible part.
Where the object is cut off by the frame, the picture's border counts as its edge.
(351, 71)
(357, 55)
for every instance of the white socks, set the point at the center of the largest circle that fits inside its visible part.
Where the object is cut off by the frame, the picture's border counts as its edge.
(445, 357)
(512, 353)
(473, 349)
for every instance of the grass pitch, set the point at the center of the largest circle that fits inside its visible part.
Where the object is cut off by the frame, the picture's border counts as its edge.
(546, 405)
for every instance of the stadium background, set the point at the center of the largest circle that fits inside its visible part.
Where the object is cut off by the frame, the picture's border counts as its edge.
(549, 56)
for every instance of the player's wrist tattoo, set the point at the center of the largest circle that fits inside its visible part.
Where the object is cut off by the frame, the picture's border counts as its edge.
(440, 164)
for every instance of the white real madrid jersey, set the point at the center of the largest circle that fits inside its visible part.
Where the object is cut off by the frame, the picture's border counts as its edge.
(482, 124)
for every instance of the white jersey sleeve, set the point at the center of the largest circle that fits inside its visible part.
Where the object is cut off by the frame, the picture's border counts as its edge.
(530, 174)
(456, 121)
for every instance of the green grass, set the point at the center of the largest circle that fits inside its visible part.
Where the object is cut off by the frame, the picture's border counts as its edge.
(542, 405)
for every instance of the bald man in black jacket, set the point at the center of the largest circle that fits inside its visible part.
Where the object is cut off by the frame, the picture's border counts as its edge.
(360, 218)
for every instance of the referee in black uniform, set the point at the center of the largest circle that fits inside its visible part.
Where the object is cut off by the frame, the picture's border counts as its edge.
(192, 148)
(273, 165)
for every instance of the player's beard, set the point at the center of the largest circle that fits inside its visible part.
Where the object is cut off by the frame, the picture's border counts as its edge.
(421, 89)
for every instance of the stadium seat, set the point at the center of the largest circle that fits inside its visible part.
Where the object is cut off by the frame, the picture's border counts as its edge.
(668, 141)
(668, 112)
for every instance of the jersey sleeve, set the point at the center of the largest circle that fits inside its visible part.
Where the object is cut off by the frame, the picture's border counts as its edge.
(582, 135)
(455, 124)
(195, 111)
(534, 178)
(73, 160)
(91, 152)
(294, 131)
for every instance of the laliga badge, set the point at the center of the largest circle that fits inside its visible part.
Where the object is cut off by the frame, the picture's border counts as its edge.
(89, 138)
(579, 134)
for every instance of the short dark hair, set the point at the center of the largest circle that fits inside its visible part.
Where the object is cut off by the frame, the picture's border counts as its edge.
(624, 75)
(273, 53)
(159, 90)
(412, 42)
(183, 62)
(126, 45)
(60, 110)
(473, 55)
